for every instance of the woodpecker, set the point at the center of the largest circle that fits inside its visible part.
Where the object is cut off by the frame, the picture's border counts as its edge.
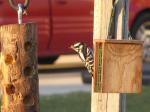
(86, 55)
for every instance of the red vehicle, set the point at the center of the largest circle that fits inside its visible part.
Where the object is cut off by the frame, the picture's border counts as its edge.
(139, 23)
(63, 22)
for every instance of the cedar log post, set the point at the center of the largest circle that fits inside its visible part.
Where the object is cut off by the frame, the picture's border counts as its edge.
(107, 102)
(19, 73)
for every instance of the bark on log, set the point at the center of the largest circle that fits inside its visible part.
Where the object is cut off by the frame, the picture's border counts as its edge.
(19, 73)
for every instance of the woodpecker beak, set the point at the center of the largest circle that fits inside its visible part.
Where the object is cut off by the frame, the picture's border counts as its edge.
(71, 47)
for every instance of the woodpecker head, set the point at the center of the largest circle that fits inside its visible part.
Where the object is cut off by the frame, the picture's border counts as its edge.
(79, 46)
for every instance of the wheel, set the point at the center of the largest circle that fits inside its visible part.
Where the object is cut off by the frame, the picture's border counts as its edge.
(47, 60)
(86, 78)
(141, 31)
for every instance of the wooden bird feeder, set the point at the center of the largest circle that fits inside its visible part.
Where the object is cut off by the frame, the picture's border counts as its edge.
(118, 66)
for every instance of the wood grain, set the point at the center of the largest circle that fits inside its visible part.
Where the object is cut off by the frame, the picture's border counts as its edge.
(19, 73)
(103, 102)
(121, 66)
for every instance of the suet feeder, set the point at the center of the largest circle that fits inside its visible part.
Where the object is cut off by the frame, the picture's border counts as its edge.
(118, 66)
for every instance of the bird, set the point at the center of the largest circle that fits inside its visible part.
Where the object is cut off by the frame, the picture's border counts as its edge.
(86, 55)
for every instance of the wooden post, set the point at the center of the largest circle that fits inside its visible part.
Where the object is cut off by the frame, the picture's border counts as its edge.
(107, 102)
(19, 73)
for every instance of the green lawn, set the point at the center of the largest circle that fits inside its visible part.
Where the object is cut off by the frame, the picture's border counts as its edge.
(75, 102)
(139, 102)
(80, 102)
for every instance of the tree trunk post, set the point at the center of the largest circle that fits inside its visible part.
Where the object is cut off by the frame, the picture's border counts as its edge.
(108, 102)
(19, 73)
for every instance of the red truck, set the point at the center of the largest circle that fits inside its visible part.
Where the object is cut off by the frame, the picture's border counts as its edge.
(63, 22)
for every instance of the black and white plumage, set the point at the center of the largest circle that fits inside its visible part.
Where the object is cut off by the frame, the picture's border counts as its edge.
(86, 55)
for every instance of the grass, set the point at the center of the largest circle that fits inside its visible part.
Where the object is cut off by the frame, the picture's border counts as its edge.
(139, 102)
(80, 102)
(74, 102)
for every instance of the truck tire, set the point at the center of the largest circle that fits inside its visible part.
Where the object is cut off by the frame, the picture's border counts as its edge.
(86, 78)
(47, 60)
(139, 31)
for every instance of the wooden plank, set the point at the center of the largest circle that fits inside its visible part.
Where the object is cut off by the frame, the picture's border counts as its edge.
(19, 71)
(101, 18)
(103, 102)
(119, 41)
(120, 67)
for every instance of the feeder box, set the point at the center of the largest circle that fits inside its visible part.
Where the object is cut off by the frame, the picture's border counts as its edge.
(118, 66)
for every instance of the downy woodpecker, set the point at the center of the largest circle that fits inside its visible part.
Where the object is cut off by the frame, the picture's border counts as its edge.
(86, 55)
